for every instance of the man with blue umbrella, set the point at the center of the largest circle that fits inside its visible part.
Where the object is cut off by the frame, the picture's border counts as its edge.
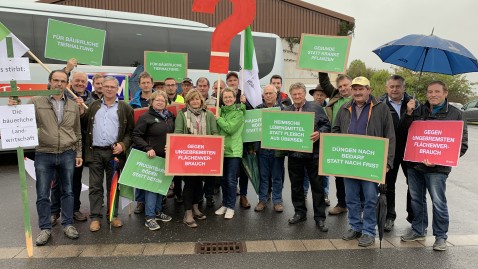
(428, 176)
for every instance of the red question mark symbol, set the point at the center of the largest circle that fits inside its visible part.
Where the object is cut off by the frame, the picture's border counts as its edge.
(243, 14)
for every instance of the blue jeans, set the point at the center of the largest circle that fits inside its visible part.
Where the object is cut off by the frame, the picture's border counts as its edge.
(270, 167)
(152, 204)
(139, 195)
(229, 181)
(435, 183)
(353, 188)
(47, 165)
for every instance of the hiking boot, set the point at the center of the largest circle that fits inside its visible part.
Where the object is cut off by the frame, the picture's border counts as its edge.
(71, 232)
(139, 208)
(440, 244)
(95, 225)
(43, 237)
(351, 234)
(163, 217)
(412, 236)
(388, 225)
(244, 202)
(279, 208)
(152, 224)
(337, 210)
(327, 200)
(79, 216)
(54, 218)
(366, 240)
(221, 210)
(260, 206)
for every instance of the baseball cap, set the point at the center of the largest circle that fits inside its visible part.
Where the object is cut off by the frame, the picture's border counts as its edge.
(187, 80)
(363, 81)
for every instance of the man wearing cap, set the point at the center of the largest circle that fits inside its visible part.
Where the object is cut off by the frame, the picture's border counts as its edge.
(338, 97)
(171, 88)
(186, 85)
(364, 115)
(158, 86)
(202, 85)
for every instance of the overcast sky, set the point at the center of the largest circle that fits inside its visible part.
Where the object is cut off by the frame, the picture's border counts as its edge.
(380, 21)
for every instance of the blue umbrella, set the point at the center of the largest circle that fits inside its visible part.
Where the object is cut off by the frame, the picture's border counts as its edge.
(428, 53)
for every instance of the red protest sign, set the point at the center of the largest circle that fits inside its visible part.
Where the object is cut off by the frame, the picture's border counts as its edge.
(138, 112)
(173, 109)
(198, 155)
(439, 142)
(212, 109)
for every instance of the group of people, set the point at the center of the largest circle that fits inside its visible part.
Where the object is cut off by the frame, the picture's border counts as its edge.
(71, 136)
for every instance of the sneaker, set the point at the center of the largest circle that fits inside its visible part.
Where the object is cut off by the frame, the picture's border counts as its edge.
(139, 208)
(279, 208)
(351, 234)
(440, 244)
(43, 237)
(163, 217)
(152, 224)
(337, 210)
(210, 202)
(388, 225)
(71, 232)
(412, 236)
(366, 240)
(79, 216)
(260, 206)
(327, 200)
(53, 218)
(221, 210)
(229, 213)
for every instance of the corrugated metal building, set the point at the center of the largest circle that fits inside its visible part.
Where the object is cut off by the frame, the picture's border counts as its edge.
(286, 18)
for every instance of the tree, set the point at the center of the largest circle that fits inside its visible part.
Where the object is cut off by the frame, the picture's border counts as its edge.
(358, 68)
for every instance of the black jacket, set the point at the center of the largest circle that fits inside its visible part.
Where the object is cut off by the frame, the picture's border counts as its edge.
(150, 131)
(423, 112)
(321, 124)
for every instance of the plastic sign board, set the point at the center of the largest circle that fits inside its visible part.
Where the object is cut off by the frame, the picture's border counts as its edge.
(324, 53)
(252, 130)
(287, 130)
(353, 156)
(144, 173)
(14, 69)
(67, 40)
(439, 142)
(194, 155)
(18, 126)
(162, 65)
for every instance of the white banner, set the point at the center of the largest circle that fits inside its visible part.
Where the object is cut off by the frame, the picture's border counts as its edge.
(14, 69)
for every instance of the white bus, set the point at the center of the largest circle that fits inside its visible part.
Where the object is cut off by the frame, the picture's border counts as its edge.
(128, 35)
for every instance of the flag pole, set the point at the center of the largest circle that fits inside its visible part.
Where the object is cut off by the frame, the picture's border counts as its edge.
(218, 94)
(49, 71)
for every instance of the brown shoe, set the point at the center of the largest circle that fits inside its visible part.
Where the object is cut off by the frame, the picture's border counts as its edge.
(79, 216)
(95, 225)
(260, 206)
(337, 210)
(279, 208)
(244, 202)
(116, 223)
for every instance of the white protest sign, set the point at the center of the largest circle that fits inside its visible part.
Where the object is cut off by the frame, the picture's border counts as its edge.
(14, 68)
(18, 126)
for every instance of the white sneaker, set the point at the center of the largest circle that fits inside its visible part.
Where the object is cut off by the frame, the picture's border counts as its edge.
(229, 213)
(221, 210)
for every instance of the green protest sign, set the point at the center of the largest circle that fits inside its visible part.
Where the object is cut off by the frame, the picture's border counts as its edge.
(144, 173)
(162, 65)
(287, 130)
(67, 40)
(354, 156)
(324, 53)
(253, 124)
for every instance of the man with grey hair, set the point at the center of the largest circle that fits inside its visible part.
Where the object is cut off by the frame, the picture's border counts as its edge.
(271, 162)
(299, 162)
(109, 129)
